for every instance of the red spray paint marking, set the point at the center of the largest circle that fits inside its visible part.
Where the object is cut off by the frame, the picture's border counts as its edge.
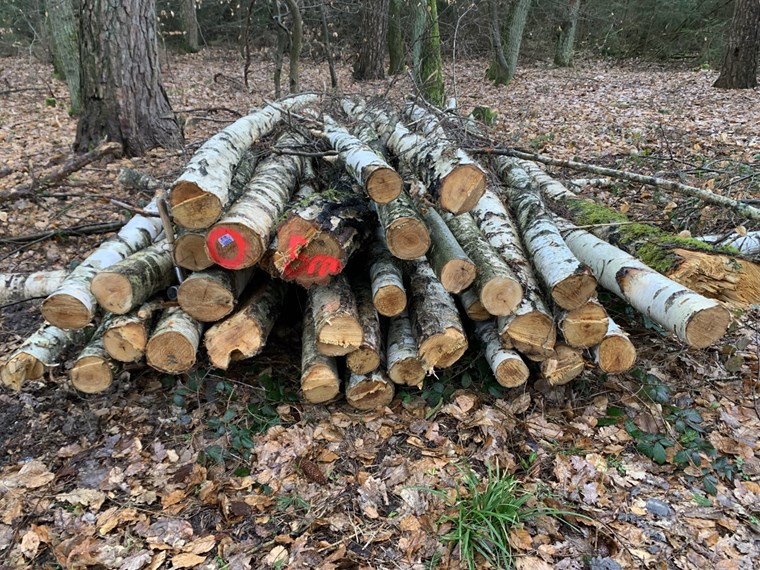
(298, 263)
(223, 237)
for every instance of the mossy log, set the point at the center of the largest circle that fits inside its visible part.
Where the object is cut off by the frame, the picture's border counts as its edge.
(565, 365)
(403, 365)
(388, 292)
(15, 287)
(746, 243)
(369, 392)
(190, 251)
(616, 353)
(126, 336)
(336, 317)
(367, 357)
(209, 296)
(507, 366)
(454, 269)
(173, 346)
(584, 326)
(319, 373)
(406, 233)
(93, 370)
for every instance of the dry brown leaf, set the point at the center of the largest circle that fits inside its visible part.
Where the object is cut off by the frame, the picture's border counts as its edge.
(278, 554)
(30, 543)
(86, 497)
(32, 475)
(531, 563)
(157, 561)
(187, 560)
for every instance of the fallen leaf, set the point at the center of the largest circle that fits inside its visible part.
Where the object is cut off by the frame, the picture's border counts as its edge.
(86, 497)
(187, 560)
(30, 543)
(279, 554)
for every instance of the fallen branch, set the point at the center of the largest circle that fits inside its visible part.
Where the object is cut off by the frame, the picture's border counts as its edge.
(81, 230)
(16, 287)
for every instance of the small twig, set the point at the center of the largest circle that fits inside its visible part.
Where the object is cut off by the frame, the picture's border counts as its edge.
(5, 171)
(209, 120)
(22, 89)
(591, 226)
(87, 229)
(307, 154)
(134, 209)
(211, 110)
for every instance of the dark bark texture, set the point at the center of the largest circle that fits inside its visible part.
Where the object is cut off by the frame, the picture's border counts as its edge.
(371, 61)
(739, 70)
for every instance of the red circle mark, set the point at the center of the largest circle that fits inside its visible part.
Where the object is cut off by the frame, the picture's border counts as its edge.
(220, 234)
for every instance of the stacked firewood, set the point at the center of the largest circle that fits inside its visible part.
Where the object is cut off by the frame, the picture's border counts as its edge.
(406, 248)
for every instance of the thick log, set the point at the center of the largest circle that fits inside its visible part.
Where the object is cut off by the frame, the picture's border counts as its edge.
(240, 237)
(530, 328)
(378, 178)
(72, 305)
(126, 336)
(566, 364)
(454, 179)
(441, 340)
(209, 296)
(336, 317)
(472, 306)
(369, 392)
(368, 356)
(388, 292)
(406, 233)
(201, 193)
(43, 350)
(93, 370)
(584, 326)
(507, 366)
(403, 365)
(244, 334)
(568, 281)
(15, 287)
(190, 251)
(129, 283)
(497, 287)
(695, 320)
(174, 343)
(319, 373)
(616, 353)
(454, 269)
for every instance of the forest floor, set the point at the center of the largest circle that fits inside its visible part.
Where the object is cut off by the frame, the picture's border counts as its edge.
(231, 471)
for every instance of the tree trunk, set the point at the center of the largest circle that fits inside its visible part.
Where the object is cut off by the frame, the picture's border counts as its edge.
(127, 335)
(283, 38)
(584, 326)
(210, 295)
(745, 243)
(388, 293)
(370, 63)
(122, 96)
(369, 392)
(244, 334)
(296, 41)
(616, 353)
(319, 373)
(189, 26)
(367, 357)
(563, 54)
(336, 317)
(406, 233)
(453, 268)
(328, 46)
(15, 287)
(511, 39)
(395, 38)
(739, 70)
(430, 77)
(65, 35)
(93, 369)
(173, 346)
(507, 366)
(403, 365)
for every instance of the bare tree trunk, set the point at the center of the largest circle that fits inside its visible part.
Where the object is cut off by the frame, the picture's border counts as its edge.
(328, 48)
(739, 70)
(563, 55)
(63, 25)
(395, 38)
(189, 25)
(371, 61)
(282, 44)
(296, 41)
(511, 37)
(430, 79)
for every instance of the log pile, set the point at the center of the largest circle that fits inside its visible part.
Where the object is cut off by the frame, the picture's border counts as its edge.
(399, 248)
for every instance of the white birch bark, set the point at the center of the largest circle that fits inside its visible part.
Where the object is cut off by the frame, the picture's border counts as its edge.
(507, 366)
(15, 287)
(747, 244)
(403, 365)
(388, 292)
(367, 357)
(319, 373)
(616, 353)
(204, 185)
(369, 392)
(473, 307)
(93, 370)
(174, 343)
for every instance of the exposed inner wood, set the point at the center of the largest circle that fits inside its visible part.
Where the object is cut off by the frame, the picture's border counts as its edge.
(585, 326)
(66, 311)
(444, 349)
(363, 360)
(728, 279)
(511, 373)
(707, 326)
(534, 334)
(244, 335)
(340, 336)
(457, 275)
(384, 185)
(566, 364)
(206, 300)
(500, 295)
(126, 343)
(239, 253)
(408, 371)
(91, 375)
(170, 352)
(616, 354)
(190, 251)
(193, 208)
(369, 392)
(389, 300)
(462, 188)
(574, 291)
(19, 368)
(407, 238)
(113, 291)
(320, 383)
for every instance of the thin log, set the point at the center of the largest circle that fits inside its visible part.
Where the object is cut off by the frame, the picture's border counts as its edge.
(336, 317)
(210, 295)
(406, 233)
(240, 237)
(244, 334)
(367, 357)
(507, 366)
(747, 243)
(454, 269)
(174, 343)
(369, 392)
(72, 305)
(190, 251)
(93, 370)
(129, 283)
(131, 179)
(472, 306)
(441, 340)
(378, 178)
(403, 364)
(388, 292)
(319, 373)
(585, 326)
(15, 287)
(127, 335)
(569, 282)
(616, 353)
(566, 364)
(201, 193)
(42, 350)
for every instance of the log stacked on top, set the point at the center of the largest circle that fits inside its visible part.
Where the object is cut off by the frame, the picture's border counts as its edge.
(379, 253)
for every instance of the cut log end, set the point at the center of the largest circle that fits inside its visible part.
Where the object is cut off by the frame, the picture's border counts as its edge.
(585, 326)
(566, 364)
(443, 350)
(91, 375)
(205, 300)
(65, 311)
(192, 208)
(363, 360)
(342, 335)
(320, 384)
(126, 343)
(232, 340)
(234, 246)
(534, 334)
(113, 291)
(512, 373)
(731, 280)
(616, 354)
(190, 252)
(501, 296)
(390, 300)
(407, 238)
(384, 185)
(171, 353)
(19, 369)
(369, 392)
(457, 275)
(408, 372)
(462, 189)
(574, 291)
(707, 326)
(316, 262)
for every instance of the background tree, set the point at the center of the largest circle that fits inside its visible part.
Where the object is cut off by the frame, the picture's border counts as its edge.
(739, 70)
(370, 64)
(65, 45)
(189, 26)
(395, 38)
(426, 52)
(569, 9)
(122, 96)
(504, 64)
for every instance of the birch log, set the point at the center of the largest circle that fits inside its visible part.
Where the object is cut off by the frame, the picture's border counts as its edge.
(441, 340)
(403, 365)
(15, 287)
(406, 233)
(367, 357)
(201, 193)
(43, 350)
(748, 243)
(369, 392)
(336, 317)
(453, 178)
(695, 320)
(129, 283)
(507, 366)
(93, 369)
(454, 269)
(190, 251)
(131, 179)
(72, 305)
(569, 282)
(530, 328)
(319, 373)
(472, 306)
(210, 295)
(244, 334)
(616, 353)
(240, 237)
(378, 178)
(126, 336)
(497, 287)
(388, 292)
(174, 343)
(585, 326)
(566, 364)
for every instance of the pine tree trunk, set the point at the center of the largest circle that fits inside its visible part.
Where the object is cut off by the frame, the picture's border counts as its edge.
(127, 335)
(244, 334)
(584, 326)
(395, 38)
(367, 357)
(174, 343)
(336, 317)
(507, 366)
(209, 296)
(132, 281)
(190, 251)
(406, 233)
(370, 64)
(739, 70)
(93, 369)
(15, 287)
(616, 353)
(563, 55)
(403, 364)
(122, 97)
(319, 373)
(369, 392)
(388, 292)
(65, 36)
(189, 26)
(453, 268)
(566, 364)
